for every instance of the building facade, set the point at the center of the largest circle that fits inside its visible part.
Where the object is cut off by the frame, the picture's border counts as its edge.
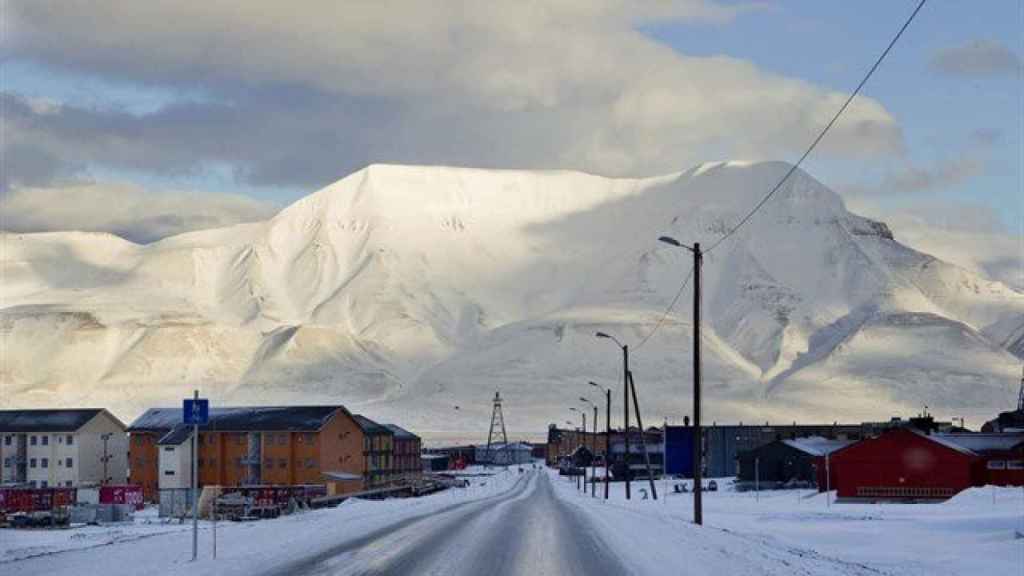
(66, 448)
(291, 445)
(563, 442)
(782, 462)
(406, 461)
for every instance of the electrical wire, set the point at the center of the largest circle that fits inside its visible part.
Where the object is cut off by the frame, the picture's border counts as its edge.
(821, 135)
(667, 310)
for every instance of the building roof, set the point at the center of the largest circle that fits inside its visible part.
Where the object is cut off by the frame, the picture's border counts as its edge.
(241, 419)
(817, 445)
(369, 426)
(979, 443)
(56, 420)
(401, 433)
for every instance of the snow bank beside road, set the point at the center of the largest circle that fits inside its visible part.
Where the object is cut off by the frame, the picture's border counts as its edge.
(243, 548)
(795, 532)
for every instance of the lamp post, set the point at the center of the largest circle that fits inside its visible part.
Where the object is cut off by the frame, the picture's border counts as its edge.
(698, 444)
(583, 440)
(607, 430)
(593, 448)
(570, 425)
(625, 404)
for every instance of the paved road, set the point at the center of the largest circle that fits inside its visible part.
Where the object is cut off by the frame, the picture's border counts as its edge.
(525, 531)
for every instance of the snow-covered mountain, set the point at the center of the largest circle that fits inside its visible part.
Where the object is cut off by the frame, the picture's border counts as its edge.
(404, 291)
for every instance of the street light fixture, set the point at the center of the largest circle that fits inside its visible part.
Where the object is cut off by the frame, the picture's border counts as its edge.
(593, 449)
(698, 445)
(607, 431)
(625, 405)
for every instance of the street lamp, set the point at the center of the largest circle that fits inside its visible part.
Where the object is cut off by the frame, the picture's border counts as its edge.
(607, 430)
(583, 440)
(625, 405)
(593, 449)
(698, 452)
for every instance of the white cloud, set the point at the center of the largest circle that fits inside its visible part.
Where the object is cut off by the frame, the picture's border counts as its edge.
(123, 209)
(569, 84)
(971, 236)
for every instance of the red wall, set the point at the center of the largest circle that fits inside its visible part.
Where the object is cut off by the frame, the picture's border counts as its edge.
(1006, 476)
(902, 464)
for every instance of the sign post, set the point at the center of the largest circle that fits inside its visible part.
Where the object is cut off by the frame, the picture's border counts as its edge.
(195, 412)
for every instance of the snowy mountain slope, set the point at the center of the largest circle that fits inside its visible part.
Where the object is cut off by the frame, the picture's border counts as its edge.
(407, 290)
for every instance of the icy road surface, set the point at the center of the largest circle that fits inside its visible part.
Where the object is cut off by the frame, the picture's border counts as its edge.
(526, 531)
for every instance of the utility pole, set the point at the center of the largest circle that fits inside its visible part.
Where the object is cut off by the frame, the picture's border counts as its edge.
(607, 437)
(195, 475)
(593, 457)
(625, 405)
(106, 458)
(698, 443)
(625, 416)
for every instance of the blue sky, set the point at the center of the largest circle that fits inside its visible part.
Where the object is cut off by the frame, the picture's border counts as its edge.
(834, 43)
(161, 118)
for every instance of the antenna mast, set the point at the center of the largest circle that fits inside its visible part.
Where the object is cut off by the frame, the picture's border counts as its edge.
(497, 419)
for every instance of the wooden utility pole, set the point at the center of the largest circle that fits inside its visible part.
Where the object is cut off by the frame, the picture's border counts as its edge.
(625, 415)
(698, 444)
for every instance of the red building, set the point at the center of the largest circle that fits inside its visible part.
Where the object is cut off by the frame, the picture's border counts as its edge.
(907, 464)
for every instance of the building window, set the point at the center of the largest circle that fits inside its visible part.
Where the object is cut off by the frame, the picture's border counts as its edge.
(268, 463)
(168, 449)
(1015, 464)
(70, 440)
(282, 463)
(168, 472)
(45, 463)
(213, 462)
(68, 462)
(33, 440)
(309, 463)
(200, 463)
(32, 463)
(44, 484)
(7, 462)
(7, 440)
(997, 464)
(68, 483)
(282, 439)
(46, 440)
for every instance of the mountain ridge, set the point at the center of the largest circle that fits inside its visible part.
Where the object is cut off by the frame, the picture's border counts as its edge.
(385, 289)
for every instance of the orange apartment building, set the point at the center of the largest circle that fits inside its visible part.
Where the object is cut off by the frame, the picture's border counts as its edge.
(406, 462)
(261, 445)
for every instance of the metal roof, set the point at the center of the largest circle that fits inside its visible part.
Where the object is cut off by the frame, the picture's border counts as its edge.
(369, 426)
(400, 432)
(817, 445)
(979, 443)
(241, 419)
(57, 420)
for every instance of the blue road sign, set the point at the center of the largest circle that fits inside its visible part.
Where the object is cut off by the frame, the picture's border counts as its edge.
(196, 411)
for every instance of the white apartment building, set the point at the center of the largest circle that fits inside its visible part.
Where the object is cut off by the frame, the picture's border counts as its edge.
(72, 447)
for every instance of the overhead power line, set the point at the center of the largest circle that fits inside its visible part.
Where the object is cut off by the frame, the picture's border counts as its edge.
(667, 310)
(821, 135)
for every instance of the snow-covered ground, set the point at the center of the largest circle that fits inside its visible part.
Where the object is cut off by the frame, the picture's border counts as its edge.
(773, 533)
(150, 546)
(973, 533)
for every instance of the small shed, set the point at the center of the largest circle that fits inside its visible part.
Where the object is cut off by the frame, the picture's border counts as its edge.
(796, 460)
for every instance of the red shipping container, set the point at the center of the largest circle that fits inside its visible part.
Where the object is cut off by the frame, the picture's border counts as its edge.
(35, 499)
(126, 494)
